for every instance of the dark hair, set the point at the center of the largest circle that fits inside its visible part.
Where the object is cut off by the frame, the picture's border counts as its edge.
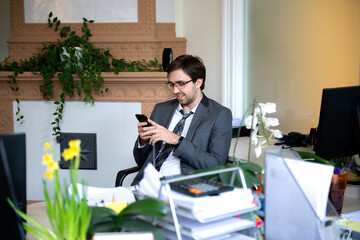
(191, 65)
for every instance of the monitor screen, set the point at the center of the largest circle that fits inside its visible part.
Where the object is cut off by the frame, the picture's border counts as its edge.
(12, 184)
(338, 133)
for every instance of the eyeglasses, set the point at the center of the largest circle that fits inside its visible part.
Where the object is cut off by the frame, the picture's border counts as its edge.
(178, 85)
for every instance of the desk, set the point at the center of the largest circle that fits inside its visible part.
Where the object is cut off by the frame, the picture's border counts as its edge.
(38, 211)
(351, 200)
(242, 150)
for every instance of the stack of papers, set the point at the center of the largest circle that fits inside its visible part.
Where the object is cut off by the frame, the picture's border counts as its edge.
(203, 209)
(233, 236)
(197, 230)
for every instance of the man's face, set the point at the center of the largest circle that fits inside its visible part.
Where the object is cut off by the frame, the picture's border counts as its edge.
(188, 94)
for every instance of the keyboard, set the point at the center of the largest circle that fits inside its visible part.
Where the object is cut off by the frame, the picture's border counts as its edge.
(199, 187)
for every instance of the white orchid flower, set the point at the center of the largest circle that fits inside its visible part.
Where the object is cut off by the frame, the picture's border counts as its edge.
(259, 117)
(268, 107)
(257, 111)
(277, 133)
(249, 121)
(270, 122)
(254, 137)
(258, 150)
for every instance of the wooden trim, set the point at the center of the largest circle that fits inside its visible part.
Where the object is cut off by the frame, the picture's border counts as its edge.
(145, 87)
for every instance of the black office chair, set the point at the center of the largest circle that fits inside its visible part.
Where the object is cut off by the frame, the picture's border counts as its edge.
(122, 174)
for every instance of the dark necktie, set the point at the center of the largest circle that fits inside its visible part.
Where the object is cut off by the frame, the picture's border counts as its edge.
(169, 147)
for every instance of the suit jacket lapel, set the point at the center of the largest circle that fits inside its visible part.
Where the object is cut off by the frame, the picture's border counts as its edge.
(169, 112)
(167, 116)
(200, 113)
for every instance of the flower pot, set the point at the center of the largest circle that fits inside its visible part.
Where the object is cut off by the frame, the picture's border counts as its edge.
(337, 189)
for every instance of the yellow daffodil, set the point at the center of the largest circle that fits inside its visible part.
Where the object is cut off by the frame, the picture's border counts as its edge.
(52, 166)
(47, 146)
(75, 143)
(47, 158)
(67, 154)
(72, 151)
(49, 175)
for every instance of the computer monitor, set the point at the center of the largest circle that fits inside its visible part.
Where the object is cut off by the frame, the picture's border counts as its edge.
(12, 184)
(338, 133)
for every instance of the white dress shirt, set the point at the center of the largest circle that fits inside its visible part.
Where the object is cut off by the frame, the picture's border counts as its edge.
(171, 166)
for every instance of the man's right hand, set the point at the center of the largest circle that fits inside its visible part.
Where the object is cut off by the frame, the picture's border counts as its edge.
(144, 132)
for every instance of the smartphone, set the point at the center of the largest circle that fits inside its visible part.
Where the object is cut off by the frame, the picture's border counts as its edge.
(142, 118)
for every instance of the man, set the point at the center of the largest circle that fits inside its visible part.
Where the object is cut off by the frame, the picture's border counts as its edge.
(189, 131)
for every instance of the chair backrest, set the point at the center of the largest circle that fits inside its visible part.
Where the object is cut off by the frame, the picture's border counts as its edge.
(122, 174)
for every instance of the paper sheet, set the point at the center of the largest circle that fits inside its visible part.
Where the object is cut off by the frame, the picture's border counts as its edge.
(352, 216)
(97, 196)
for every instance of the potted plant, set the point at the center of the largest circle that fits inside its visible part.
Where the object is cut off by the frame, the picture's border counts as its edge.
(73, 54)
(71, 217)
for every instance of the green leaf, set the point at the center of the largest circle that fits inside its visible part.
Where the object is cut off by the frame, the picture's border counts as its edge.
(148, 207)
(249, 166)
(36, 226)
(312, 157)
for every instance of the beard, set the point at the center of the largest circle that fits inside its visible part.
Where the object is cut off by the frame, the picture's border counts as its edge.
(184, 99)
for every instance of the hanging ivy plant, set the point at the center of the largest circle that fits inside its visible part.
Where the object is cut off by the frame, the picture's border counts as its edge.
(71, 54)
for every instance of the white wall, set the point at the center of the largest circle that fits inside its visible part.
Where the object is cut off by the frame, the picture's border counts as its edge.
(199, 21)
(114, 124)
(297, 48)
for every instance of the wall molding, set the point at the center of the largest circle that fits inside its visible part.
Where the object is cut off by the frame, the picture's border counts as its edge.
(146, 87)
(145, 39)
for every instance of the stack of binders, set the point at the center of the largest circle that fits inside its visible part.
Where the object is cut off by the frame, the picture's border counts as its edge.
(206, 217)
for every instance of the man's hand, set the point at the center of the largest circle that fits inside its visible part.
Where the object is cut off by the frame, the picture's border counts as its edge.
(143, 131)
(156, 133)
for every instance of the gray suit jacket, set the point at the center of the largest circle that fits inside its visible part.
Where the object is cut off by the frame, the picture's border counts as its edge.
(206, 144)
